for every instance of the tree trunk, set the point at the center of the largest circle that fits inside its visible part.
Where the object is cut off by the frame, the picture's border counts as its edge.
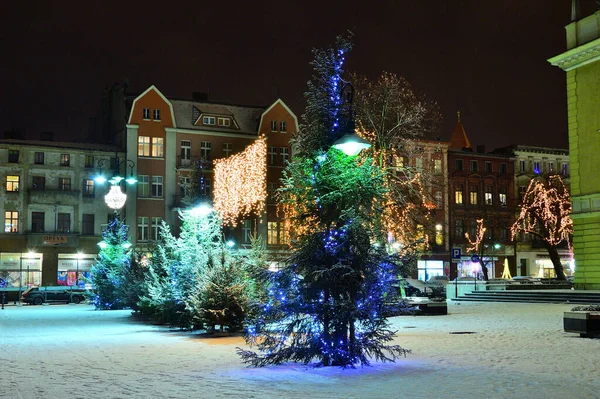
(484, 269)
(555, 258)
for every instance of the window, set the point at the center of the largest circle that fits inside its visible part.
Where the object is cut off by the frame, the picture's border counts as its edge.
(473, 229)
(38, 158)
(502, 195)
(550, 167)
(459, 229)
(272, 155)
(64, 183)
(503, 168)
(11, 222)
(186, 152)
(273, 126)
(88, 188)
(143, 146)
(37, 222)
(206, 188)
(282, 126)
(458, 194)
(285, 155)
(89, 161)
(146, 113)
(142, 228)
(438, 199)
(458, 164)
(227, 149)
(439, 235)
(419, 164)
(537, 167)
(522, 166)
(65, 160)
(155, 228)
(63, 223)
(205, 147)
(522, 191)
(437, 166)
(564, 169)
(489, 194)
(157, 147)
(488, 167)
(474, 166)
(12, 184)
(157, 114)
(38, 183)
(503, 233)
(208, 120)
(87, 224)
(157, 186)
(271, 191)
(473, 189)
(246, 231)
(224, 122)
(13, 156)
(272, 231)
(184, 186)
(143, 186)
(284, 237)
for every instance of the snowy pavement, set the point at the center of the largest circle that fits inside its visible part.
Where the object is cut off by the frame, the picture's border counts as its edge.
(514, 351)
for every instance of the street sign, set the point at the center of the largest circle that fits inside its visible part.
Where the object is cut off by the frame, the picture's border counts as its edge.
(475, 258)
(456, 253)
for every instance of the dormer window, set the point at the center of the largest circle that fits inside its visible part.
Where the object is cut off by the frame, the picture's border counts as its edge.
(273, 126)
(146, 113)
(157, 114)
(224, 122)
(208, 120)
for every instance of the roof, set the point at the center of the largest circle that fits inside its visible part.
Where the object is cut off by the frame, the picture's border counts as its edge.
(459, 138)
(186, 112)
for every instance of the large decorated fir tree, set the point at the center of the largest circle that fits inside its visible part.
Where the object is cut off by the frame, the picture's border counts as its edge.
(329, 302)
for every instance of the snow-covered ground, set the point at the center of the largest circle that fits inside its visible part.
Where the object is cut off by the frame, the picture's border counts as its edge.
(515, 351)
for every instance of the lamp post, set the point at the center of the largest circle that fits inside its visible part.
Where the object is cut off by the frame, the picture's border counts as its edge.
(79, 256)
(20, 277)
(116, 198)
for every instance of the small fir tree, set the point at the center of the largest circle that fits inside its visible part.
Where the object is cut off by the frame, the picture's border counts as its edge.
(108, 275)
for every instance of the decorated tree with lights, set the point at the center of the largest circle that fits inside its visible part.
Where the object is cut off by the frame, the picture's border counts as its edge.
(328, 303)
(482, 245)
(108, 276)
(545, 213)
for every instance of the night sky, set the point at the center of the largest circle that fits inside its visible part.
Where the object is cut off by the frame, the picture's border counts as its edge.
(484, 58)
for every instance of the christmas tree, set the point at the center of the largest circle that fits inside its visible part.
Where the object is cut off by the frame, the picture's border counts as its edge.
(328, 303)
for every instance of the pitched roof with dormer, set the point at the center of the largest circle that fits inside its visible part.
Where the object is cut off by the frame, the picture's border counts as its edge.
(459, 139)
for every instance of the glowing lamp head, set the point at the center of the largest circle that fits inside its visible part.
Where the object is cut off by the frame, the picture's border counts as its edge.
(131, 180)
(230, 243)
(100, 179)
(351, 144)
(497, 246)
(115, 199)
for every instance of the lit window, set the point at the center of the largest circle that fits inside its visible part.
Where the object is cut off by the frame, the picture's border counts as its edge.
(283, 234)
(488, 195)
(272, 231)
(437, 166)
(273, 126)
(88, 188)
(473, 194)
(12, 183)
(146, 113)
(285, 155)
(63, 223)
(208, 120)
(143, 146)
(502, 195)
(224, 122)
(537, 168)
(227, 149)
(458, 194)
(38, 158)
(157, 186)
(205, 147)
(157, 114)
(142, 228)
(64, 183)
(439, 235)
(282, 126)
(157, 147)
(272, 155)
(65, 159)
(143, 186)
(11, 222)
(155, 228)
(186, 152)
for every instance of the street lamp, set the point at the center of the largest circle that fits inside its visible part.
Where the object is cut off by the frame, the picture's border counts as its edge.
(350, 143)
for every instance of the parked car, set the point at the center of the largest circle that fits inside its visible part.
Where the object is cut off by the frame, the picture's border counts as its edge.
(40, 295)
(439, 280)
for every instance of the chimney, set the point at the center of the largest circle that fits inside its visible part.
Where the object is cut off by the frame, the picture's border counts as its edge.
(481, 149)
(199, 96)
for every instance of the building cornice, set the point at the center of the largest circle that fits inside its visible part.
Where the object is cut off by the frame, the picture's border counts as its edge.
(211, 133)
(577, 56)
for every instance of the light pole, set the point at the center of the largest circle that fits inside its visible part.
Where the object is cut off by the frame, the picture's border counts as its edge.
(20, 276)
(79, 256)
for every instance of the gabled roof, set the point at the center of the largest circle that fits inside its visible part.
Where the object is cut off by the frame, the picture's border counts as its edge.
(459, 138)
